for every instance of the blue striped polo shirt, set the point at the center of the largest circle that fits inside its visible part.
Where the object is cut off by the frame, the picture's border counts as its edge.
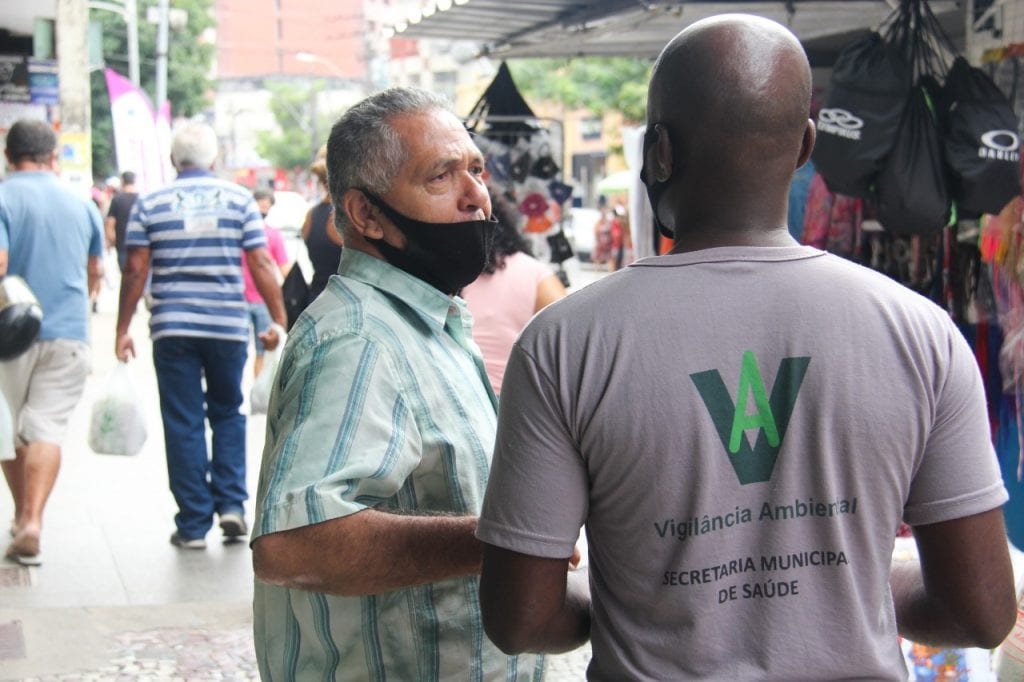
(381, 400)
(196, 229)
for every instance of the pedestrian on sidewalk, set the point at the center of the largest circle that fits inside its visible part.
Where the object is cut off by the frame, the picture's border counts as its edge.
(324, 243)
(192, 233)
(116, 223)
(746, 535)
(513, 287)
(381, 421)
(53, 240)
(259, 315)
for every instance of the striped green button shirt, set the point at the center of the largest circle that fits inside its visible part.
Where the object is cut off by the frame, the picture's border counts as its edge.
(381, 400)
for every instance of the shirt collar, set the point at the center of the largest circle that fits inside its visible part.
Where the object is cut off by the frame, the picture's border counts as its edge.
(194, 173)
(432, 305)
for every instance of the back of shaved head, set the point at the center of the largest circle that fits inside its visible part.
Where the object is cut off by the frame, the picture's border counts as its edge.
(731, 95)
(732, 76)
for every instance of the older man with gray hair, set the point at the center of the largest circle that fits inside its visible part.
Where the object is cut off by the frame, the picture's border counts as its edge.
(381, 423)
(191, 235)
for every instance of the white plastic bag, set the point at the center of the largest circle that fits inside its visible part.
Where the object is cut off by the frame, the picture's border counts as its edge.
(259, 396)
(6, 430)
(117, 425)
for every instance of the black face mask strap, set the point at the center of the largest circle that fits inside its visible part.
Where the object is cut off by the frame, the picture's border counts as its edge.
(380, 205)
(655, 188)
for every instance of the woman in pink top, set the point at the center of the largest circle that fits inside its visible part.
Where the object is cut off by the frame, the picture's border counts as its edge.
(259, 317)
(513, 287)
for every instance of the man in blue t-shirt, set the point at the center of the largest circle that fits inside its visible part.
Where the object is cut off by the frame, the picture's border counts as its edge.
(191, 235)
(54, 241)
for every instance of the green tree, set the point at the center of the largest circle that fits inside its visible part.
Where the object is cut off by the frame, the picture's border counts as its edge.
(189, 59)
(598, 84)
(301, 135)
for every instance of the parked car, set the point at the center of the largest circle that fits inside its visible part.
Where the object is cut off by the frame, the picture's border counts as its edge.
(288, 212)
(580, 230)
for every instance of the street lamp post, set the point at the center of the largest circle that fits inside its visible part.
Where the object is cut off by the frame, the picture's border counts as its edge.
(127, 11)
(314, 93)
(312, 58)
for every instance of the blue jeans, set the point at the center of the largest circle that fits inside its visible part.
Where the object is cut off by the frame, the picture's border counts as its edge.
(259, 322)
(202, 484)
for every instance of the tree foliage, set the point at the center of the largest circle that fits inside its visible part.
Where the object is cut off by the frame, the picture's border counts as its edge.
(290, 103)
(599, 84)
(189, 59)
(300, 136)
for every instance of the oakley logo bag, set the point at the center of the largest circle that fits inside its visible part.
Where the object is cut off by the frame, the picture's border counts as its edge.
(982, 146)
(858, 122)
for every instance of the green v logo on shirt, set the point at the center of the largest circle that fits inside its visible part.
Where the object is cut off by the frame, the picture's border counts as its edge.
(770, 417)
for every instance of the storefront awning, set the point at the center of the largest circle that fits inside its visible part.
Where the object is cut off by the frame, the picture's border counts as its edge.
(640, 28)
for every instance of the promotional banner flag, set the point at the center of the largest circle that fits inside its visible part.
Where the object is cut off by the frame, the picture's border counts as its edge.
(141, 138)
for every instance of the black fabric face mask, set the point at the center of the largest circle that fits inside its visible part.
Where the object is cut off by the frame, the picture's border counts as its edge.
(447, 256)
(655, 189)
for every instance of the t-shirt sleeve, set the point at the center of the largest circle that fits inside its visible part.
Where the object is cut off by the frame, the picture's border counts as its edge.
(340, 434)
(537, 494)
(253, 234)
(959, 473)
(5, 237)
(135, 234)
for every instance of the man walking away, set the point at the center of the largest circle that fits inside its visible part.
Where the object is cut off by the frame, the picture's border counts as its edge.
(192, 234)
(120, 210)
(54, 241)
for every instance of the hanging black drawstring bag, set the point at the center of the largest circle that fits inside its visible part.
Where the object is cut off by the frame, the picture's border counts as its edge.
(857, 123)
(981, 143)
(912, 192)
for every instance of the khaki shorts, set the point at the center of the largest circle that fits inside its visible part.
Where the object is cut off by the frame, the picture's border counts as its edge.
(42, 387)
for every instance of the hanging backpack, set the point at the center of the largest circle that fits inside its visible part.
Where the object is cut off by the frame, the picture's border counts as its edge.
(858, 122)
(911, 191)
(982, 147)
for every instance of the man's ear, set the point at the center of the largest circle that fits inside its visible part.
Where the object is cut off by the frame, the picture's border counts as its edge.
(807, 145)
(660, 154)
(364, 216)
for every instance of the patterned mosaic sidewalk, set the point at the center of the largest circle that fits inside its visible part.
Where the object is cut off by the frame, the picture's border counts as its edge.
(189, 655)
(174, 655)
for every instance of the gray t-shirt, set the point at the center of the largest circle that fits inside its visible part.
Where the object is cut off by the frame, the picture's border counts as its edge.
(742, 431)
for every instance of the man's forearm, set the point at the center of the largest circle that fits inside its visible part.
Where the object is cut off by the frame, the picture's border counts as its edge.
(369, 552)
(533, 603)
(569, 628)
(133, 283)
(110, 232)
(920, 617)
(265, 274)
(94, 270)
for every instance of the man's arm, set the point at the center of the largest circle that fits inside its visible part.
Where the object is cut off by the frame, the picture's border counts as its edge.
(266, 277)
(94, 270)
(133, 283)
(532, 603)
(109, 231)
(368, 552)
(3, 262)
(962, 591)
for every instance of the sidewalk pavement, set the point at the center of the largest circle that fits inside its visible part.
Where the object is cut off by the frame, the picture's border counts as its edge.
(113, 599)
